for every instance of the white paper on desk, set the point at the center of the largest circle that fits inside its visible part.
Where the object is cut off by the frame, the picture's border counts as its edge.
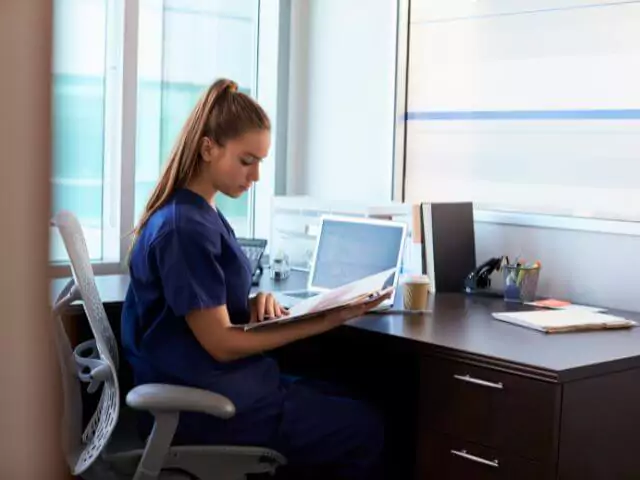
(550, 319)
(584, 308)
(570, 306)
(338, 297)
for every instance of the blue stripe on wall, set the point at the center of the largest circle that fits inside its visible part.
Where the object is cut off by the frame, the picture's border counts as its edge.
(623, 114)
(525, 12)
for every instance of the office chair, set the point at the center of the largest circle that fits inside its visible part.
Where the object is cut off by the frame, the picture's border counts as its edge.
(109, 448)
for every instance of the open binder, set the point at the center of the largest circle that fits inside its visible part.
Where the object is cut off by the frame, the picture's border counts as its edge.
(352, 293)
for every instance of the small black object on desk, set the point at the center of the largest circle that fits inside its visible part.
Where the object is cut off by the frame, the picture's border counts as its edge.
(478, 282)
(254, 249)
(257, 276)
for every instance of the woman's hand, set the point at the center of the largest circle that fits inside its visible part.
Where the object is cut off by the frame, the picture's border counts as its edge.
(264, 305)
(344, 314)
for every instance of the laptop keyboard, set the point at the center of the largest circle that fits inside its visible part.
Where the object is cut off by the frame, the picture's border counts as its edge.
(253, 253)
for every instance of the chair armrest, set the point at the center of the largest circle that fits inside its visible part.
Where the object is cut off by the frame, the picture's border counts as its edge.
(173, 398)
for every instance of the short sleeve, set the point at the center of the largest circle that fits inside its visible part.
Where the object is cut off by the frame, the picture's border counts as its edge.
(190, 275)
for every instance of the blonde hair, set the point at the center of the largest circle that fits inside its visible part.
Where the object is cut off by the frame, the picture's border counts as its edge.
(221, 114)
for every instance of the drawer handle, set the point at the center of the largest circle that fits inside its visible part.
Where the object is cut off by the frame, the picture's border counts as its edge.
(473, 458)
(477, 381)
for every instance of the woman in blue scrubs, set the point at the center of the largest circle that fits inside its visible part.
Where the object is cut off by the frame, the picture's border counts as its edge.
(190, 284)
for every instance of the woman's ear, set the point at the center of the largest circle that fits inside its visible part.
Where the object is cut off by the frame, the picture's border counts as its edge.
(209, 150)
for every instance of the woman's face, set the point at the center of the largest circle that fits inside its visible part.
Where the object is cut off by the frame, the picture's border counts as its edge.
(234, 167)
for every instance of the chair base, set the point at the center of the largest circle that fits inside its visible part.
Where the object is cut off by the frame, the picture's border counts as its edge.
(202, 462)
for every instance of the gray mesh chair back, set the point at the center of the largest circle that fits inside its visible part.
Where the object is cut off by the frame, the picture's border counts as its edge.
(93, 362)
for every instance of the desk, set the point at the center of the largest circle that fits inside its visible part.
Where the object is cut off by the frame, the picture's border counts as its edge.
(492, 400)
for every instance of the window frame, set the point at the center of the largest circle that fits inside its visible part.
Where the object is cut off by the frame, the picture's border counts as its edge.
(485, 213)
(121, 129)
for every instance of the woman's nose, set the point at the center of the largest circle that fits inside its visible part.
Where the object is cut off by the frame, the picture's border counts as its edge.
(254, 173)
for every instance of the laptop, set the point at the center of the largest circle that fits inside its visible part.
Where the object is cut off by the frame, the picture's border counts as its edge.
(349, 249)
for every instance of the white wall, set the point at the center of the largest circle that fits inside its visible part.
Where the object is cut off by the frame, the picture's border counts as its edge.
(341, 114)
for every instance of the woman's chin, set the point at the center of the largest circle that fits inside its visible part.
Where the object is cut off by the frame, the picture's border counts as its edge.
(236, 192)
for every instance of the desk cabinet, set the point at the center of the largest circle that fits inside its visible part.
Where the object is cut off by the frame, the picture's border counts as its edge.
(509, 412)
(447, 458)
(482, 422)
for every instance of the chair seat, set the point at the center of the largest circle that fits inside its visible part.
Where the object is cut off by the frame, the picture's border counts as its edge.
(125, 449)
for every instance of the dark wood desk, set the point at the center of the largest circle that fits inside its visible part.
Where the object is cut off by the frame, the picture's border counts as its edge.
(482, 399)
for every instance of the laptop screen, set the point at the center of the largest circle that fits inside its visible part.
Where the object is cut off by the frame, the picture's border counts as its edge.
(351, 249)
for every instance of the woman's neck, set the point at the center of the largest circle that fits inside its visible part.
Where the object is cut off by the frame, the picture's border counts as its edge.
(203, 189)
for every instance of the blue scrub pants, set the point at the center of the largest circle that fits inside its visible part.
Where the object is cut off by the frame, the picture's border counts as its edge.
(325, 434)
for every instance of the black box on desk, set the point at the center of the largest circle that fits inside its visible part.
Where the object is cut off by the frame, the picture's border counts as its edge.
(448, 244)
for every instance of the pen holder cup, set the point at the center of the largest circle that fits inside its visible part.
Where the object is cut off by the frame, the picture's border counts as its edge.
(520, 283)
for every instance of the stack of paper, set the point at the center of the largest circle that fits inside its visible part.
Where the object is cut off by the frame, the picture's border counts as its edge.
(552, 321)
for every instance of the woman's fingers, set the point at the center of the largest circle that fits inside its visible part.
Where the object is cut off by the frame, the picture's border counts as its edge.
(279, 309)
(260, 303)
(362, 308)
(374, 302)
(270, 306)
(265, 307)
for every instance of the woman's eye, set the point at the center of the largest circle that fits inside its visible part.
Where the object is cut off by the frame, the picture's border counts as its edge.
(247, 161)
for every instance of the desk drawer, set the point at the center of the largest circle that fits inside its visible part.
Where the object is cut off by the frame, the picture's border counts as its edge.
(446, 458)
(515, 414)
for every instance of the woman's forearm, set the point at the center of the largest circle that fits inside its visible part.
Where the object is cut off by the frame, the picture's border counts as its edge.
(226, 343)
(243, 343)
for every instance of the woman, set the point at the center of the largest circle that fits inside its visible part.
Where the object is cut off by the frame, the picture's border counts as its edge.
(190, 284)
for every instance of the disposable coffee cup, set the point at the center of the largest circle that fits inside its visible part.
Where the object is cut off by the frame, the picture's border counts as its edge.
(416, 292)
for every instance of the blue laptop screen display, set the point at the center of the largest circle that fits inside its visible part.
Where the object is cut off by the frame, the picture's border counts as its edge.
(349, 251)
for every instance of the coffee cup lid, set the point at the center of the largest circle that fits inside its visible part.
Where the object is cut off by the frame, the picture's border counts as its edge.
(417, 279)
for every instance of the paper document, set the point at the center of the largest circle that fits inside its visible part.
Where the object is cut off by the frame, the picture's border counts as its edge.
(351, 293)
(551, 321)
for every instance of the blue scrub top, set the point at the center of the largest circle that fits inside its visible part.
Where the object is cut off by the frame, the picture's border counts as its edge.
(187, 258)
